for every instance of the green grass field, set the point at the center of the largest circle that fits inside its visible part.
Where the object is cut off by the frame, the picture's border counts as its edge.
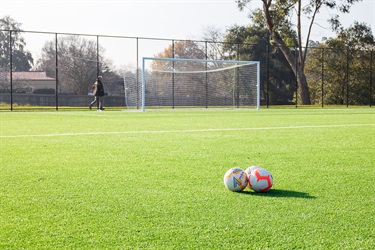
(154, 180)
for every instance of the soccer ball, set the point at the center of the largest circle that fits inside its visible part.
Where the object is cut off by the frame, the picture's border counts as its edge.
(251, 169)
(235, 179)
(260, 180)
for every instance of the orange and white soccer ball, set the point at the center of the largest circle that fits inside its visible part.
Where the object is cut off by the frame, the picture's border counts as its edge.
(235, 179)
(260, 180)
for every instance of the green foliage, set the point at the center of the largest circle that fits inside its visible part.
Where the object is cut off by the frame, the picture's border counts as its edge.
(252, 43)
(22, 59)
(127, 180)
(345, 54)
(342, 6)
(182, 49)
(357, 36)
(277, 17)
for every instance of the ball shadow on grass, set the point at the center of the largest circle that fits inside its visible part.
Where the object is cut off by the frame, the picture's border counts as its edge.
(281, 193)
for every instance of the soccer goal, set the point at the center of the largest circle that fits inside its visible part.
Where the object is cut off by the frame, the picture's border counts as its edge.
(195, 83)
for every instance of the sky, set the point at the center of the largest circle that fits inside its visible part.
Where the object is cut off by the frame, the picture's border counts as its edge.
(170, 19)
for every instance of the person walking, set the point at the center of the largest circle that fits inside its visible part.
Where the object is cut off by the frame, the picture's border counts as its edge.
(98, 92)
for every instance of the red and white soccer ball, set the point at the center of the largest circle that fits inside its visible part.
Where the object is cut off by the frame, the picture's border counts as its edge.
(260, 180)
(251, 169)
(235, 179)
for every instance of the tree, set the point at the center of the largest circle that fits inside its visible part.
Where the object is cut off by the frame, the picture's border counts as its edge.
(77, 64)
(12, 43)
(183, 49)
(22, 60)
(214, 41)
(180, 49)
(252, 43)
(276, 15)
(346, 64)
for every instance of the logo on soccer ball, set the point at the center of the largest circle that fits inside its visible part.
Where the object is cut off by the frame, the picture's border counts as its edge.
(260, 180)
(235, 179)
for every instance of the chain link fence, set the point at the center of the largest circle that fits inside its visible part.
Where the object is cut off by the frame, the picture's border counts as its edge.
(57, 70)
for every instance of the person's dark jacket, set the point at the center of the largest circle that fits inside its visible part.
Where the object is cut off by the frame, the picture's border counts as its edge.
(98, 88)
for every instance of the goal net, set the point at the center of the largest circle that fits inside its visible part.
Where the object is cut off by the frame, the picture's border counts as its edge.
(194, 83)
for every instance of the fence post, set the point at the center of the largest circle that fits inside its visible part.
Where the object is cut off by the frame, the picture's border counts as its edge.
(206, 75)
(296, 62)
(370, 78)
(97, 57)
(237, 78)
(347, 76)
(57, 74)
(11, 70)
(173, 75)
(137, 72)
(267, 75)
(322, 77)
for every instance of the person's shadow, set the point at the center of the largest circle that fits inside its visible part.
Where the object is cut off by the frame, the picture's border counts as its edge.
(281, 193)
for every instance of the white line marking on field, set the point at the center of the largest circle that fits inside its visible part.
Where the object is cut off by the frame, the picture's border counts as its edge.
(185, 131)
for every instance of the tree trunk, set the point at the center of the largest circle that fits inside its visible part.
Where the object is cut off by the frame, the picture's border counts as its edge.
(304, 91)
(293, 60)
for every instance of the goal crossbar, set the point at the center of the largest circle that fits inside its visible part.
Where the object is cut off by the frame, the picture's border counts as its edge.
(195, 72)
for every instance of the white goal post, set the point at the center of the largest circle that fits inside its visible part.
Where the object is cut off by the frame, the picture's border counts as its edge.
(191, 83)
